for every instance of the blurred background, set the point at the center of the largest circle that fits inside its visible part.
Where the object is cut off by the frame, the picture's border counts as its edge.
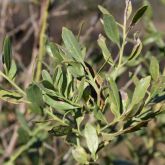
(22, 21)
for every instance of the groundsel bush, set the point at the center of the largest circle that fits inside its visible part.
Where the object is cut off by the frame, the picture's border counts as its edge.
(74, 99)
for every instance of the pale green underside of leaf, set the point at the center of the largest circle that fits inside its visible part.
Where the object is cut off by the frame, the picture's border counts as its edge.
(140, 90)
(72, 45)
(80, 155)
(154, 68)
(105, 51)
(91, 138)
(59, 105)
(114, 98)
(111, 29)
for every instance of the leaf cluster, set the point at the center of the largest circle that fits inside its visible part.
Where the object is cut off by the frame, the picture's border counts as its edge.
(76, 98)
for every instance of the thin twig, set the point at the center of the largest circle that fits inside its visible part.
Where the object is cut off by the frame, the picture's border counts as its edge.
(22, 26)
(130, 81)
(43, 24)
(25, 38)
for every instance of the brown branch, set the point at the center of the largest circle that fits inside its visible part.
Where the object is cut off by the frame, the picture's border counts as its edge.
(11, 144)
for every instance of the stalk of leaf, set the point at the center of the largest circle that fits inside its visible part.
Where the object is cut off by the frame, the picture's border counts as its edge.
(123, 44)
(110, 124)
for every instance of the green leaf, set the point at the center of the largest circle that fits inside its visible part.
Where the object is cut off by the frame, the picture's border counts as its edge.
(13, 70)
(157, 87)
(115, 100)
(148, 114)
(58, 105)
(69, 86)
(46, 84)
(140, 12)
(34, 95)
(111, 29)
(65, 54)
(60, 130)
(103, 10)
(91, 138)
(81, 89)
(57, 76)
(154, 68)
(79, 121)
(76, 69)
(62, 83)
(54, 52)
(7, 53)
(60, 80)
(46, 76)
(99, 115)
(140, 90)
(105, 51)
(72, 45)
(10, 96)
(136, 50)
(80, 155)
